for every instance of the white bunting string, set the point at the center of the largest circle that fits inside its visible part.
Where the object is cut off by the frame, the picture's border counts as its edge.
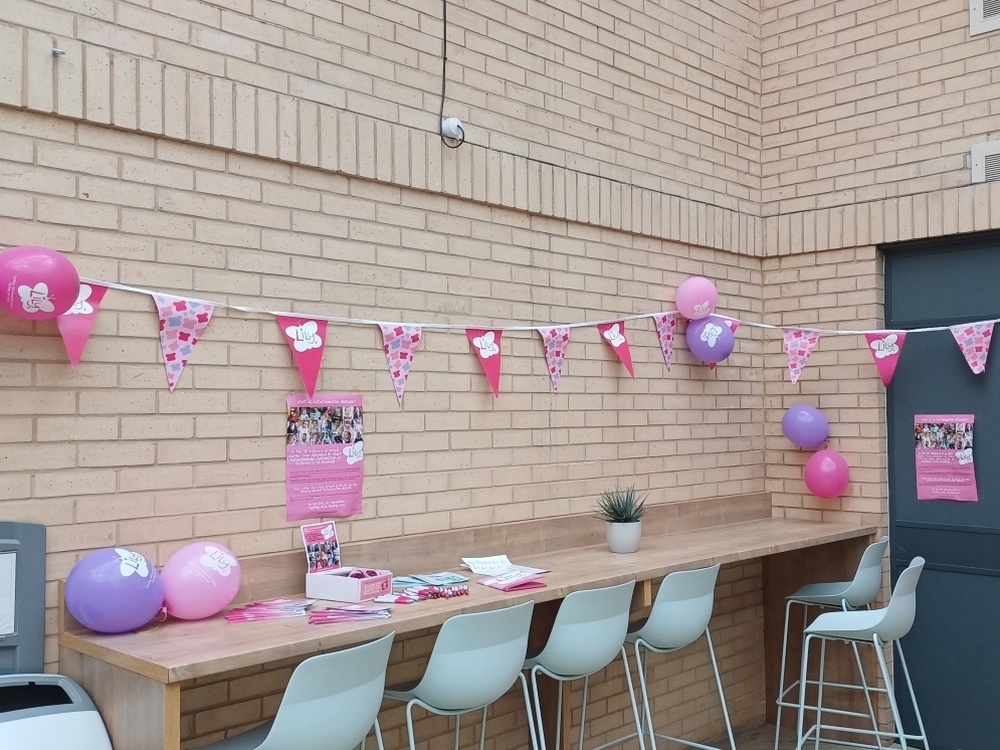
(464, 326)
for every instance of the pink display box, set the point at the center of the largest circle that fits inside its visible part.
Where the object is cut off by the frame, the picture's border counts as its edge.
(337, 585)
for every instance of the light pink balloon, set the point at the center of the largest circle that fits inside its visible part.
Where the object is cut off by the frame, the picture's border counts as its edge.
(200, 580)
(37, 283)
(696, 298)
(826, 474)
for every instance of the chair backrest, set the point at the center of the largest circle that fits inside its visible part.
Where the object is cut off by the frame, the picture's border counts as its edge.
(476, 658)
(341, 691)
(682, 608)
(867, 580)
(898, 615)
(588, 631)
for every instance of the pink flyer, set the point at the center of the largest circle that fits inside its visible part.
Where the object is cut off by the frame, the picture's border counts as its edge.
(945, 470)
(324, 456)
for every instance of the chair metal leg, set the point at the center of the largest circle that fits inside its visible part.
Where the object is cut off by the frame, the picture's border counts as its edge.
(722, 695)
(539, 722)
(409, 725)
(819, 695)
(913, 697)
(529, 711)
(458, 725)
(482, 731)
(631, 699)
(781, 674)
(583, 709)
(890, 692)
(378, 736)
(643, 688)
(867, 693)
(799, 738)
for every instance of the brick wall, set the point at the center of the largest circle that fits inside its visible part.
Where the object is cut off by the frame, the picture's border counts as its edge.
(284, 155)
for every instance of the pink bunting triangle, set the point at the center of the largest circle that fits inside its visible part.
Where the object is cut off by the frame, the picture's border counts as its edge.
(974, 341)
(399, 343)
(486, 345)
(734, 326)
(666, 327)
(76, 323)
(614, 335)
(305, 338)
(182, 322)
(555, 340)
(885, 348)
(798, 346)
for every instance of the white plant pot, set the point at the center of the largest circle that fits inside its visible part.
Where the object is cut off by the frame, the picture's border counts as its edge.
(623, 537)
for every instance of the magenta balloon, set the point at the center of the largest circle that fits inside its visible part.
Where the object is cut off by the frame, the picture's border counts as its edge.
(37, 283)
(826, 474)
(696, 298)
(710, 340)
(805, 426)
(114, 590)
(200, 580)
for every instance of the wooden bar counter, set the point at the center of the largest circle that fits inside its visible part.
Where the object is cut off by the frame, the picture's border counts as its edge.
(135, 679)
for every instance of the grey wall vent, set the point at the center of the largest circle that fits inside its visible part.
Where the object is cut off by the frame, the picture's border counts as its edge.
(986, 162)
(984, 15)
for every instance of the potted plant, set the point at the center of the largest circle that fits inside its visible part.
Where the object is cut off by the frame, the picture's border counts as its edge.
(622, 511)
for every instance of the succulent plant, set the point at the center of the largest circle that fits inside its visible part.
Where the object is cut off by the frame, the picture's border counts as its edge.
(621, 505)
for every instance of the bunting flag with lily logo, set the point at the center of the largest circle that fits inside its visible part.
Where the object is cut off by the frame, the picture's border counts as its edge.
(76, 323)
(885, 348)
(399, 342)
(182, 321)
(614, 335)
(305, 338)
(486, 345)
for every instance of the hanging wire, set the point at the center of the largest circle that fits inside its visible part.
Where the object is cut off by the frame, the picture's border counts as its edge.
(444, 80)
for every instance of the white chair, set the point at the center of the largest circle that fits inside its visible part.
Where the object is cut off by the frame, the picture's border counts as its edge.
(587, 635)
(876, 628)
(476, 658)
(860, 591)
(345, 684)
(679, 617)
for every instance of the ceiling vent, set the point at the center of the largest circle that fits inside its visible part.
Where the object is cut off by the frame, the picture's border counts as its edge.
(984, 15)
(986, 162)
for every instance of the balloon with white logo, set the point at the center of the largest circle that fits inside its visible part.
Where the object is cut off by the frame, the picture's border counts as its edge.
(696, 298)
(114, 590)
(37, 283)
(710, 339)
(200, 580)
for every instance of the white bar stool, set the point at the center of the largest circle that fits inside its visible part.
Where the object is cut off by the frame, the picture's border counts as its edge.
(847, 595)
(679, 617)
(876, 628)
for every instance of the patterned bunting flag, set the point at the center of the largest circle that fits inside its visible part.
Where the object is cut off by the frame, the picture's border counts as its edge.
(486, 345)
(734, 326)
(798, 346)
(76, 323)
(614, 335)
(555, 340)
(305, 338)
(974, 341)
(666, 327)
(399, 343)
(182, 322)
(885, 348)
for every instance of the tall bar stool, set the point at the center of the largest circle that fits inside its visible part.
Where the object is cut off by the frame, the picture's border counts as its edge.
(860, 591)
(587, 635)
(476, 658)
(876, 628)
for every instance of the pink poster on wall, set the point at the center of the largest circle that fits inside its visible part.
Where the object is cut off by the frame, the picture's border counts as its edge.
(945, 470)
(324, 456)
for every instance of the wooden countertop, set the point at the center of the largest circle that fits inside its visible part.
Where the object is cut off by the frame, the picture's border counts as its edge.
(174, 651)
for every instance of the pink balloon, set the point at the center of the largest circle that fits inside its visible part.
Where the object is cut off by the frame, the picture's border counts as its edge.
(696, 298)
(200, 580)
(37, 283)
(826, 474)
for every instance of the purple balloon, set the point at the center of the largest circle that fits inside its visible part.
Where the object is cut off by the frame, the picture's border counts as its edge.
(710, 339)
(114, 590)
(805, 426)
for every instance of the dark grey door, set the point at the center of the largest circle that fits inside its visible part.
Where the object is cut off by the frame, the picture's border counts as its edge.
(953, 650)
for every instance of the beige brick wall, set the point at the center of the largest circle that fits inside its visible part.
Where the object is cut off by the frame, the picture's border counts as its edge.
(284, 155)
